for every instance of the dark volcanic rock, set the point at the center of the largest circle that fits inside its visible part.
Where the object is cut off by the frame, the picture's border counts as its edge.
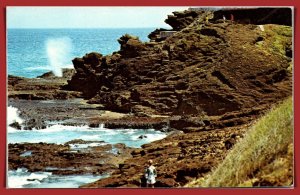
(88, 68)
(214, 70)
(155, 35)
(130, 46)
(66, 161)
(81, 141)
(45, 87)
(15, 125)
(180, 20)
(67, 74)
(35, 123)
(138, 123)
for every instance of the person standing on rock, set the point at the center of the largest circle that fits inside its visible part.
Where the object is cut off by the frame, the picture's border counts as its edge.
(150, 174)
(231, 17)
(224, 19)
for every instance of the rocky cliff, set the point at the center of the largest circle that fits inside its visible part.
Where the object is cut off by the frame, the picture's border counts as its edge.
(212, 78)
(211, 68)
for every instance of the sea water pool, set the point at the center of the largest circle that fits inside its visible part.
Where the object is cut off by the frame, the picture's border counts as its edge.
(60, 134)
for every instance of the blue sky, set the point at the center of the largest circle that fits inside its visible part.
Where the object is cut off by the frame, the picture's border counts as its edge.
(88, 17)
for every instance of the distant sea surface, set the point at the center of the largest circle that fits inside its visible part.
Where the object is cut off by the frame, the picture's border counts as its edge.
(32, 52)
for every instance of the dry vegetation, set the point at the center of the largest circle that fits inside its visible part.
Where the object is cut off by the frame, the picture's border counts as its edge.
(263, 158)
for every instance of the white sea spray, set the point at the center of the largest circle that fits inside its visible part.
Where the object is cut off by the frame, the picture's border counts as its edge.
(13, 115)
(58, 52)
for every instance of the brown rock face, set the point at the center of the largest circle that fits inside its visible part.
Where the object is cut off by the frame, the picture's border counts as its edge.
(180, 20)
(211, 68)
(130, 46)
(216, 76)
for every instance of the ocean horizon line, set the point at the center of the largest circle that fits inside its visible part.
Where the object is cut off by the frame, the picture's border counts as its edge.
(59, 28)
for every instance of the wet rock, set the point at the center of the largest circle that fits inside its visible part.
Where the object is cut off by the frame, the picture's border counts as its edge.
(47, 75)
(35, 123)
(66, 161)
(15, 125)
(142, 136)
(81, 141)
(94, 125)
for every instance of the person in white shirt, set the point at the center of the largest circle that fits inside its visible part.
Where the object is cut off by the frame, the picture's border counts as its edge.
(224, 19)
(150, 174)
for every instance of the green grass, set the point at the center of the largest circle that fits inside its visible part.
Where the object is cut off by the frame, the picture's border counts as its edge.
(264, 154)
(276, 39)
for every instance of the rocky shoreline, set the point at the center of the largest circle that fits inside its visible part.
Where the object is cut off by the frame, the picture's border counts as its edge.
(65, 160)
(206, 84)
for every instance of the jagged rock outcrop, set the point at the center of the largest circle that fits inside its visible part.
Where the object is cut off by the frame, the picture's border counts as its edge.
(155, 35)
(180, 20)
(131, 46)
(213, 68)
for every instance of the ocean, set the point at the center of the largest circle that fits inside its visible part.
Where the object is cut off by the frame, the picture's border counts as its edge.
(32, 52)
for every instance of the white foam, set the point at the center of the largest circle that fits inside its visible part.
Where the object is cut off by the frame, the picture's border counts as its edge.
(13, 115)
(58, 51)
(101, 126)
(11, 129)
(151, 137)
(39, 176)
(83, 146)
(90, 137)
(59, 127)
(21, 177)
(68, 66)
(60, 134)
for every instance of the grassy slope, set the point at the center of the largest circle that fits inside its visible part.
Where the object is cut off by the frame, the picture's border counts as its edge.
(263, 158)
